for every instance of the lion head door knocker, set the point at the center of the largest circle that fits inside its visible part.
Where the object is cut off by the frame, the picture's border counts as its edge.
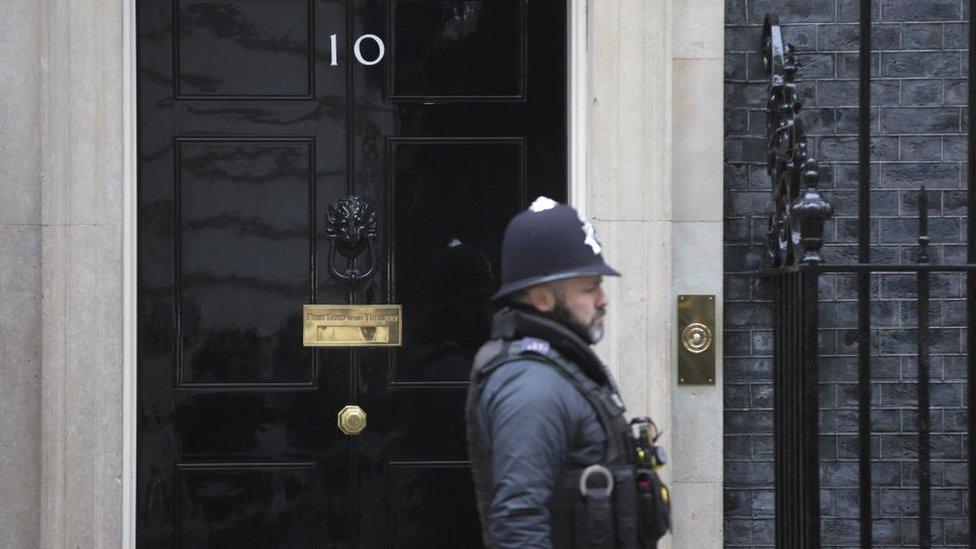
(350, 224)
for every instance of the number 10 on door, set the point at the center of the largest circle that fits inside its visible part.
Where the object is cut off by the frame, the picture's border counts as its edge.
(357, 49)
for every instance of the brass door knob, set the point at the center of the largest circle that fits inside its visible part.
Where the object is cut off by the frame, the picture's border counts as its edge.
(352, 420)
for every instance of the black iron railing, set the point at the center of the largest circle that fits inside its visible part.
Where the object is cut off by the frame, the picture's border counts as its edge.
(795, 239)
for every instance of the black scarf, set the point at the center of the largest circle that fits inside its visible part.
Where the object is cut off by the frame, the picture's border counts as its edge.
(517, 320)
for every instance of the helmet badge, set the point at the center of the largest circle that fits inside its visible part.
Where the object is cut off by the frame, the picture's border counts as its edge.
(589, 236)
(542, 204)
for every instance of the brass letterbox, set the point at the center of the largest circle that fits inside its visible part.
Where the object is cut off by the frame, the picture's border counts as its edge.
(352, 325)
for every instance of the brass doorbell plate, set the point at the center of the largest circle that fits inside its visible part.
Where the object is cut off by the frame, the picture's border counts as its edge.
(696, 340)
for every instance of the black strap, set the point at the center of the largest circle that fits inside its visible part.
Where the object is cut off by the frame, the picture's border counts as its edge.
(595, 518)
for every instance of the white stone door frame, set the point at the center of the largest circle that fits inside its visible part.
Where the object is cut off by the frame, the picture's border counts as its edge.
(129, 284)
(577, 101)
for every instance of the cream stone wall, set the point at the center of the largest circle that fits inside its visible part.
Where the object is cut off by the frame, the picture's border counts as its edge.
(60, 274)
(654, 190)
(20, 275)
(697, 186)
(82, 187)
(628, 191)
(647, 168)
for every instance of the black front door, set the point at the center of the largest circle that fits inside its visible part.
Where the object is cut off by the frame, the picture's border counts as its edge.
(255, 116)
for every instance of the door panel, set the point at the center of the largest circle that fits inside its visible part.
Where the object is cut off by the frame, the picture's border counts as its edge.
(247, 132)
(435, 282)
(245, 259)
(457, 50)
(268, 505)
(244, 49)
(427, 507)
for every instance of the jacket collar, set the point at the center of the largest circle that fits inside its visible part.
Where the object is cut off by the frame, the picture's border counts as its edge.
(516, 321)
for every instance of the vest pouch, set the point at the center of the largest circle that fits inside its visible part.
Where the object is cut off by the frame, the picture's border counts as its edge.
(594, 524)
(653, 507)
(625, 505)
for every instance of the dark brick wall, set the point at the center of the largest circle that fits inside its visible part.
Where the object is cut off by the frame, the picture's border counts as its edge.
(919, 122)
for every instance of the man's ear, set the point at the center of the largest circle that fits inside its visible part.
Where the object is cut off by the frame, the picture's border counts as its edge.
(541, 297)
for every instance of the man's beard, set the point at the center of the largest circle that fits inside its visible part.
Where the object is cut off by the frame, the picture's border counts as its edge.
(591, 333)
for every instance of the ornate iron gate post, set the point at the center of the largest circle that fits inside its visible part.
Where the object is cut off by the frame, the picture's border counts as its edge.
(795, 238)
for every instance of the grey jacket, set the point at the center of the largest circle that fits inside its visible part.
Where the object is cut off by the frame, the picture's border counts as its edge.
(535, 422)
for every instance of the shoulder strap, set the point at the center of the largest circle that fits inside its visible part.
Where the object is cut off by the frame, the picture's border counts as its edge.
(605, 402)
(490, 357)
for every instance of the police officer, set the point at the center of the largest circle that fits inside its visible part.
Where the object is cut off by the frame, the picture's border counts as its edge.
(555, 463)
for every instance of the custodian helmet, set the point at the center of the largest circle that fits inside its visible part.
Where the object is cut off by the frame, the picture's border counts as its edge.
(549, 241)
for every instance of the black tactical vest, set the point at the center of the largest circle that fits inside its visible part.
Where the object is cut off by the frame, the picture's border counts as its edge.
(598, 524)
